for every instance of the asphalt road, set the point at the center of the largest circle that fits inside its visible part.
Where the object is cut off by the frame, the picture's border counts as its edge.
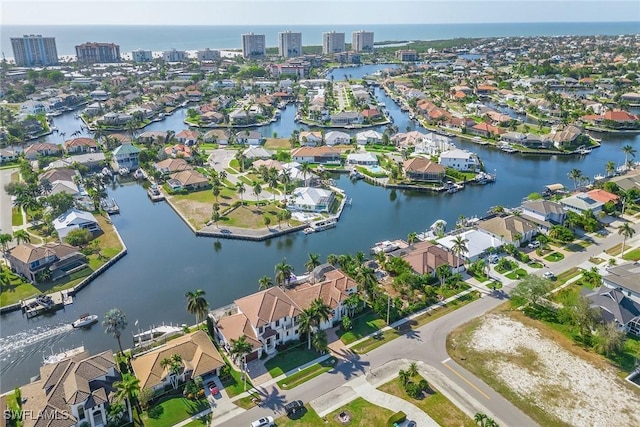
(428, 344)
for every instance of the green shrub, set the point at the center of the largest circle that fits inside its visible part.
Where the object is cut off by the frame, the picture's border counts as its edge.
(347, 324)
(397, 418)
(413, 390)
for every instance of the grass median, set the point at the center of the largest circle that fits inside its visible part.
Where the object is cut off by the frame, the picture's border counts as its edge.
(307, 374)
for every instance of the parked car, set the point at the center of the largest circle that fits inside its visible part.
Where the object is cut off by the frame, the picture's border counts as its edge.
(293, 407)
(493, 258)
(213, 388)
(533, 245)
(549, 275)
(263, 422)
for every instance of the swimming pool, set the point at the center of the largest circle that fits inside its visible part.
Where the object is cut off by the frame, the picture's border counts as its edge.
(376, 169)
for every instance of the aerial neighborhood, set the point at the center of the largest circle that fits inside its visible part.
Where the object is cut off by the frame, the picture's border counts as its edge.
(275, 144)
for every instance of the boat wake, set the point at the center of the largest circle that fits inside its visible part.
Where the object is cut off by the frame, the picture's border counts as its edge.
(16, 348)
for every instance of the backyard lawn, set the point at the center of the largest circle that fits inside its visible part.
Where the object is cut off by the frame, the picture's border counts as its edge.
(362, 413)
(14, 288)
(363, 325)
(172, 410)
(290, 359)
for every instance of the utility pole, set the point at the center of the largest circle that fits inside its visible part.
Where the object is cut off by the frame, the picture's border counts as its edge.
(388, 307)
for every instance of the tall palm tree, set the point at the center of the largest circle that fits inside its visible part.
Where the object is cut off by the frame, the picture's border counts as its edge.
(412, 238)
(127, 390)
(626, 231)
(240, 348)
(240, 188)
(576, 175)
(628, 150)
(283, 272)
(459, 248)
(312, 262)
(321, 311)
(115, 321)
(22, 236)
(443, 272)
(215, 189)
(305, 324)
(319, 341)
(403, 376)
(366, 276)
(264, 283)
(257, 189)
(272, 181)
(610, 167)
(413, 369)
(305, 168)
(5, 239)
(197, 304)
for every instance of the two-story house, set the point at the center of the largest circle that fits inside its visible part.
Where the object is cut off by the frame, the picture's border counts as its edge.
(126, 156)
(461, 160)
(72, 392)
(270, 317)
(544, 213)
(29, 261)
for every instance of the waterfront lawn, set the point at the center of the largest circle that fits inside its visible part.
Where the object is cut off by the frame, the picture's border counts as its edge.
(363, 325)
(363, 413)
(287, 360)
(554, 257)
(435, 404)
(252, 217)
(14, 288)
(307, 374)
(632, 255)
(171, 410)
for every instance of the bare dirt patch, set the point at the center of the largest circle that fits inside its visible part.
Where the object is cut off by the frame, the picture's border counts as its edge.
(546, 375)
(198, 213)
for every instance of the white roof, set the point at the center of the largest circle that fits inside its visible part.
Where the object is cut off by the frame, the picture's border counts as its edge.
(369, 134)
(581, 201)
(311, 195)
(71, 219)
(478, 242)
(362, 157)
(457, 154)
(257, 152)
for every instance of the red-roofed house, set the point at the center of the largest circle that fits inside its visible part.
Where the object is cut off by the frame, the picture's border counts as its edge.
(187, 136)
(602, 196)
(80, 145)
(486, 130)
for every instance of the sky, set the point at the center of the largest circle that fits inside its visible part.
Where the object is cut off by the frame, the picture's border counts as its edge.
(311, 12)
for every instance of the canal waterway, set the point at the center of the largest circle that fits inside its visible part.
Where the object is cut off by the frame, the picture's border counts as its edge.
(165, 259)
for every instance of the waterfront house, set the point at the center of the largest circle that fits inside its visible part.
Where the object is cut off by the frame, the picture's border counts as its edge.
(7, 155)
(460, 160)
(179, 151)
(346, 118)
(337, 138)
(187, 137)
(217, 136)
(267, 163)
(41, 149)
(29, 261)
(366, 158)
(565, 136)
(90, 160)
(80, 145)
(425, 258)
(544, 213)
(115, 119)
(485, 130)
(199, 358)
(603, 196)
(250, 137)
(171, 165)
(368, 137)
(310, 138)
(257, 152)
(580, 203)
(310, 199)
(188, 179)
(422, 169)
(61, 180)
(371, 114)
(126, 156)
(631, 97)
(75, 391)
(478, 241)
(153, 137)
(528, 140)
(511, 228)
(74, 219)
(322, 155)
(270, 317)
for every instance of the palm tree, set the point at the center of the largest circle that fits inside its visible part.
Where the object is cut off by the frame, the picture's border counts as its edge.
(215, 189)
(367, 278)
(351, 302)
(459, 247)
(411, 238)
(115, 321)
(305, 168)
(575, 175)
(480, 418)
(403, 376)
(197, 304)
(272, 181)
(264, 283)
(240, 348)
(127, 390)
(283, 272)
(628, 150)
(413, 369)
(443, 272)
(321, 311)
(305, 324)
(312, 262)
(319, 341)
(22, 236)
(626, 231)
(240, 188)
(5, 239)
(610, 167)
(257, 189)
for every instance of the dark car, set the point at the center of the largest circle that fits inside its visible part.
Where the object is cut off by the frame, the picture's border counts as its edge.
(293, 407)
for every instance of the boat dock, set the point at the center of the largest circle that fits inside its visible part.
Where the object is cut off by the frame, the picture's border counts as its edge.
(155, 194)
(41, 304)
(110, 206)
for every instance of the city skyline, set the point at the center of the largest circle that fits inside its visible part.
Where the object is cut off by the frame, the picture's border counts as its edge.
(313, 12)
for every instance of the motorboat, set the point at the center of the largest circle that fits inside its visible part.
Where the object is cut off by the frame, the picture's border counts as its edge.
(308, 230)
(58, 357)
(385, 246)
(85, 320)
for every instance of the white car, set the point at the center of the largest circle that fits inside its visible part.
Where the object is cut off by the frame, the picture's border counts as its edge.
(548, 275)
(263, 422)
(534, 244)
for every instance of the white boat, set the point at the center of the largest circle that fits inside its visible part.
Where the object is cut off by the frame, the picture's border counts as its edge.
(308, 230)
(139, 174)
(85, 320)
(598, 177)
(384, 246)
(58, 357)
(124, 171)
(156, 333)
(324, 224)
(106, 172)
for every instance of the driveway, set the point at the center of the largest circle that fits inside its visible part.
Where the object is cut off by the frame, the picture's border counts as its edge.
(5, 201)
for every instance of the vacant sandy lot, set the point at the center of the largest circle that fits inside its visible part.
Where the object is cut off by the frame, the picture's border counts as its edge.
(560, 383)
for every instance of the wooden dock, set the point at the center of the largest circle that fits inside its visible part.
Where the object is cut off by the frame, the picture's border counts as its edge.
(40, 304)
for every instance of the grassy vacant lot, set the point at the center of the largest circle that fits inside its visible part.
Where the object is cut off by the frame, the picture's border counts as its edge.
(362, 413)
(435, 404)
(277, 144)
(307, 374)
(363, 325)
(172, 410)
(290, 359)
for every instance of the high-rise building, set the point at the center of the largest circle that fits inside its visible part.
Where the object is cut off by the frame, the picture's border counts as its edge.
(289, 44)
(34, 50)
(208, 55)
(332, 42)
(362, 41)
(91, 53)
(253, 45)
(174, 55)
(141, 56)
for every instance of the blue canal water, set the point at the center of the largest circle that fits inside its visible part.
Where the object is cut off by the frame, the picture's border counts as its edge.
(165, 259)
